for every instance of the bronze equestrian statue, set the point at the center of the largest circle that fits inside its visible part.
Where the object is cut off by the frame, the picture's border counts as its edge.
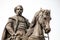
(19, 28)
(16, 26)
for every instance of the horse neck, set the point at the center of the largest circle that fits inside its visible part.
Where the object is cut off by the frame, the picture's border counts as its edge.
(37, 30)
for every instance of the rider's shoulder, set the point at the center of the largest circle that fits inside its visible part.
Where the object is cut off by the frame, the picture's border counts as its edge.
(12, 18)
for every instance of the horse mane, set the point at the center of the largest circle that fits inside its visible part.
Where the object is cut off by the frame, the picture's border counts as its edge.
(42, 10)
(37, 14)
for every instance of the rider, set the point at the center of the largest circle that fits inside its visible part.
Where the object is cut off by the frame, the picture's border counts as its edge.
(16, 26)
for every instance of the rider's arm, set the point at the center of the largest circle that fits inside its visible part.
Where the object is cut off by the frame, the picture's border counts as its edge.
(9, 26)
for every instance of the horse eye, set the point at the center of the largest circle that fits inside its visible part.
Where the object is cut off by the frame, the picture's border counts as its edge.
(21, 9)
(44, 18)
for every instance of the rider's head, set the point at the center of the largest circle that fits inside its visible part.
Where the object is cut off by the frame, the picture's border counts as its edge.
(18, 10)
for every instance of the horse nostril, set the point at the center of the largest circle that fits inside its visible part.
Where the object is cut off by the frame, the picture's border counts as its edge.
(47, 30)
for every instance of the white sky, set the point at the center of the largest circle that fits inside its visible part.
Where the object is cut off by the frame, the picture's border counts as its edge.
(30, 8)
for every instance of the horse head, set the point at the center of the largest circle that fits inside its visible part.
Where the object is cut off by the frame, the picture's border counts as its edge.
(44, 19)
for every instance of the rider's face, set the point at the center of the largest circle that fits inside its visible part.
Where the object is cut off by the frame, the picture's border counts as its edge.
(19, 10)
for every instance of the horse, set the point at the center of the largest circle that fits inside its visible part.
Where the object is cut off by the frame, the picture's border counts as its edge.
(40, 22)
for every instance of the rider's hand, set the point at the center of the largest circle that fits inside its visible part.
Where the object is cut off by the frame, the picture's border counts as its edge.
(19, 33)
(13, 34)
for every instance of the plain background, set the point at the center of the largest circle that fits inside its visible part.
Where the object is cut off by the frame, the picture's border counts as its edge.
(30, 8)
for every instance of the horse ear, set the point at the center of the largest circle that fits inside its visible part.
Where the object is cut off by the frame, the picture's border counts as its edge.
(40, 9)
(49, 11)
